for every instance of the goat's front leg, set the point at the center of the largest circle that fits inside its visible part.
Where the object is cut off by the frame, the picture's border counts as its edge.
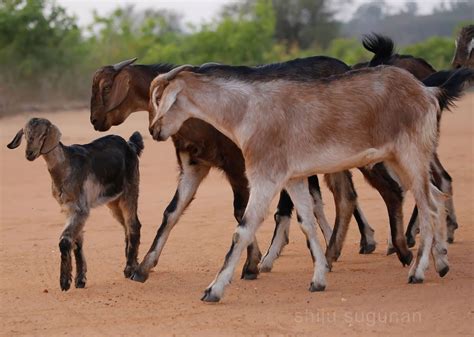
(192, 175)
(261, 195)
(315, 191)
(81, 265)
(71, 232)
(392, 194)
(298, 190)
(281, 233)
(345, 199)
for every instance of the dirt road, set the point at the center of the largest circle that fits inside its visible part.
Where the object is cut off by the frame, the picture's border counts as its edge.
(366, 294)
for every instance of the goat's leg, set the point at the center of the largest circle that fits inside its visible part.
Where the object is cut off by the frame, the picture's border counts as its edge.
(412, 228)
(439, 251)
(345, 199)
(315, 191)
(281, 233)
(71, 232)
(444, 182)
(81, 265)
(241, 197)
(261, 194)
(191, 177)
(367, 241)
(392, 194)
(298, 190)
(132, 225)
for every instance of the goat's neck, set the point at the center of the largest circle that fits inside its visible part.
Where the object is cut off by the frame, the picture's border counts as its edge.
(55, 159)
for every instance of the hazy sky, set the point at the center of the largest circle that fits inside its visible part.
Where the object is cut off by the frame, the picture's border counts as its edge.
(195, 11)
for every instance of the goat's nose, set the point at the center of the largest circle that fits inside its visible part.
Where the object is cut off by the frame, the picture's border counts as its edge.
(93, 121)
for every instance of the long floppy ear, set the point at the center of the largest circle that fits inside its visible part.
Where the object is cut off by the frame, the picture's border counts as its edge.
(52, 139)
(119, 90)
(16, 140)
(169, 97)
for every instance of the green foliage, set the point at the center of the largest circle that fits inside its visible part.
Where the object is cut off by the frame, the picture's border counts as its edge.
(438, 51)
(43, 52)
(350, 51)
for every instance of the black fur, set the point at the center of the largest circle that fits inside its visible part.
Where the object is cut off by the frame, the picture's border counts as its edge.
(381, 46)
(298, 69)
(452, 89)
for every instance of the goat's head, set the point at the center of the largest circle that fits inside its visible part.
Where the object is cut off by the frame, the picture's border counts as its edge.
(41, 138)
(464, 53)
(165, 121)
(110, 90)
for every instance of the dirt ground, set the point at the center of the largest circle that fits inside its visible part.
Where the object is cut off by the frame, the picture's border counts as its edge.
(366, 294)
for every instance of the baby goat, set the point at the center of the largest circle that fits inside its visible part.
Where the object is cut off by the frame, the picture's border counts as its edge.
(83, 177)
(288, 130)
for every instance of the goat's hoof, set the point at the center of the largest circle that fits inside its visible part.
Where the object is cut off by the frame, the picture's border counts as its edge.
(411, 241)
(247, 275)
(209, 297)
(450, 240)
(414, 280)
(406, 259)
(65, 283)
(443, 271)
(129, 271)
(139, 276)
(265, 268)
(391, 250)
(367, 248)
(80, 282)
(316, 287)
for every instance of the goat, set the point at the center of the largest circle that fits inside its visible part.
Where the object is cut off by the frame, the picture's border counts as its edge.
(119, 90)
(83, 177)
(463, 55)
(383, 49)
(290, 129)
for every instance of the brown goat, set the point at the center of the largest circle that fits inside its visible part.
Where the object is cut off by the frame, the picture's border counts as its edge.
(290, 129)
(464, 55)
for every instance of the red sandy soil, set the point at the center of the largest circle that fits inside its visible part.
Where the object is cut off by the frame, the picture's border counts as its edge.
(366, 294)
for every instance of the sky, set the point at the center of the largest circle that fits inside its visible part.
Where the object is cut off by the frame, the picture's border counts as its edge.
(197, 11)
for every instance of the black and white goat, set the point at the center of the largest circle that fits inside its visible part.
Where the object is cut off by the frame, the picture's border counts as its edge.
(83, 177)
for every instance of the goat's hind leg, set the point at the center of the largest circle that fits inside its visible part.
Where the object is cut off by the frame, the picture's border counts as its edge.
(345, 199)
(250, 270)
(367, 243)
(132, 225)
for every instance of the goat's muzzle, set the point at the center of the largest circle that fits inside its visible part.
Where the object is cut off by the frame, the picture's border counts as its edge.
(155, 131)
(31, 155)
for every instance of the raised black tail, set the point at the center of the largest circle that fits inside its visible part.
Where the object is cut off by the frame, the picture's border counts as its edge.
(136, 143)
(453, 88)
(382, 47)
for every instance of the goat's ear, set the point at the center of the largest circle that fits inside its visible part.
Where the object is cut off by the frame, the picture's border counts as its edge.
(16, 140)
(52, 139)
(169, 97)
(119, 90)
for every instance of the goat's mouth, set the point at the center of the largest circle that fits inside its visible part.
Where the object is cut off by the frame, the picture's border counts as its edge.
(30, 156)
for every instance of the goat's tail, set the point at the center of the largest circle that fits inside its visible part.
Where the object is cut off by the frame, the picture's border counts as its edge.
(136, 143)
(382, 47)
(452, 88)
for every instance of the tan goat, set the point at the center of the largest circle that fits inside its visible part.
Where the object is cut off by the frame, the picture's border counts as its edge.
(288, 130)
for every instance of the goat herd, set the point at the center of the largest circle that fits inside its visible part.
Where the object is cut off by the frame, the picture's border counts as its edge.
(270, 129)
